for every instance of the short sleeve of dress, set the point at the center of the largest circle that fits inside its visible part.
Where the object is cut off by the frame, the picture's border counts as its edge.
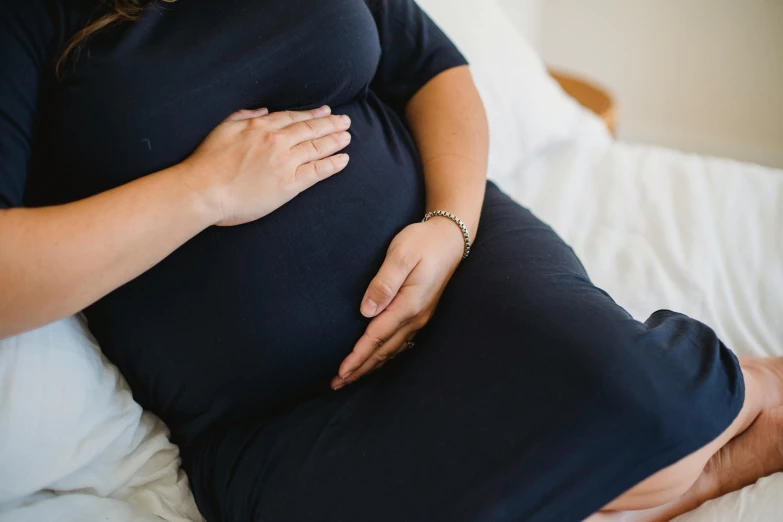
(413, 50)
(26, 50)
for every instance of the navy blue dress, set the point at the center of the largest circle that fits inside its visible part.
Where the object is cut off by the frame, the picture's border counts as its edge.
(530, 395)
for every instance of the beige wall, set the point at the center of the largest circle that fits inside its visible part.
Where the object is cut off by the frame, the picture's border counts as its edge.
(701, 75)
(528, 15)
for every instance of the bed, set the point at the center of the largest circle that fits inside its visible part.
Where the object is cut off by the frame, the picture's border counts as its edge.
(654, 227)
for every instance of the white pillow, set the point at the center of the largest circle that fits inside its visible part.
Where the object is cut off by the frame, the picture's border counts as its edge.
(73, 441)
(526, 108)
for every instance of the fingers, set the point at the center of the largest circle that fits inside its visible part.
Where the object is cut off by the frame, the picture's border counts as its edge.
(382, 333)
(311, 173)
(320, 148)
(407, 345)
(279, 120)
(312, 129)
(246, 114)
(387, 283)
(374, 354)
(312, 135)
(283, 119)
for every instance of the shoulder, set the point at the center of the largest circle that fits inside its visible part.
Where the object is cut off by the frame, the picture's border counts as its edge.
(29, 28)
(30, 13)
(41, 27)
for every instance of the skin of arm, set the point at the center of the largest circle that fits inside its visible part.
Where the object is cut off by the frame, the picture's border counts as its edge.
(54, 261)
(449, 126)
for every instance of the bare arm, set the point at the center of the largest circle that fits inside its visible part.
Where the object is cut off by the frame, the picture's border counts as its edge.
(449, 125)
(54, 261)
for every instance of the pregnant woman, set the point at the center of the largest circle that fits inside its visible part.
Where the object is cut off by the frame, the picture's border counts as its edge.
(257, 203)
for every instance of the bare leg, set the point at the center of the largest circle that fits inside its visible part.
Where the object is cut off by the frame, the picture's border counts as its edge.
(707, 473)
(756, 453)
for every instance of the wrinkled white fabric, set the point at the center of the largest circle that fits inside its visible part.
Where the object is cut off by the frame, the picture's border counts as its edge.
(72, 440)
(658, 229)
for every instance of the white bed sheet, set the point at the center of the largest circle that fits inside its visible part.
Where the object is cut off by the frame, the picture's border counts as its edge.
(658, 228)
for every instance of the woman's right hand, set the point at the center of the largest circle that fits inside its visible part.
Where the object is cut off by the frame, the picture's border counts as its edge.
(255, 162)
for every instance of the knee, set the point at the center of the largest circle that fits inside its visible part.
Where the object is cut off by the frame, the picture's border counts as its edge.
(672, 439)
(656, 417)
(661, 413)
(674, 378)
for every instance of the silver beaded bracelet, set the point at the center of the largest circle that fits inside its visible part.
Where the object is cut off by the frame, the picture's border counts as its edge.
(460, 224)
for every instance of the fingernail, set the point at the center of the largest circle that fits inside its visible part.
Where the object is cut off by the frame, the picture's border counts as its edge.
(339, 386)
(345, 118)
(369, 308)
(326, 109)
(342, 159)
(346, 375)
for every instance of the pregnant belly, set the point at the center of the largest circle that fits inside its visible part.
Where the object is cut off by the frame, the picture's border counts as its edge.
(242, 319)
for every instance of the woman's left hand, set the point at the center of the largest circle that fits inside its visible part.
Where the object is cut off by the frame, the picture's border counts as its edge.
(402, 297)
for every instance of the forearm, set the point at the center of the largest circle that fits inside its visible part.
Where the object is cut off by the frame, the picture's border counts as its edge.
(54, 261)
(449, 125)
